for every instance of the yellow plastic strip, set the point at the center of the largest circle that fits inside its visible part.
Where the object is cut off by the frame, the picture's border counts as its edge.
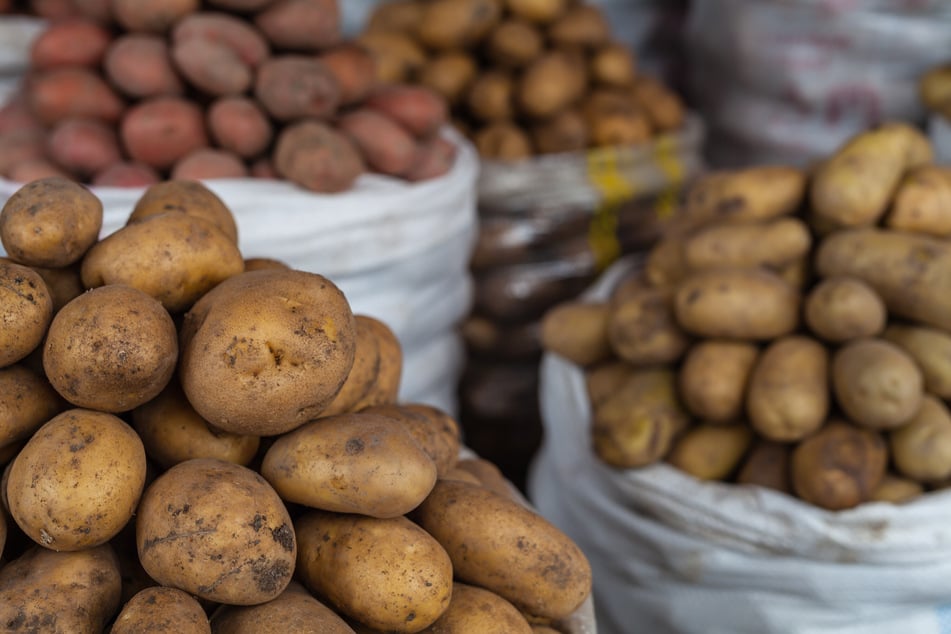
(665, 156)
(609, 180)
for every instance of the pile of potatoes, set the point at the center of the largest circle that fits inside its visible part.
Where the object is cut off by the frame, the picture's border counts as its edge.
(196, 442)
(523, 77)
(794, 332)
(128, 93)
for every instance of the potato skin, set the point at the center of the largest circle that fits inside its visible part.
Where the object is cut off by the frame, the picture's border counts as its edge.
(434, 431)
(711, 452)
(159, 131)
(189, 197)
(921, 450)
(840, 309)
(26, 309)
(447, 24)
(351, 463)
(770, 244)
(642, 329)
(713, 379)
(218, 531)
(788, 395)
(876, 383)
(61, 593)
(386, 573)
(743, 304)
(931, 350)
(27, 400)
(291, 87)
(752, 194)
(923, 202)
(578, 332)
(896, 490)
(317, 157)
(385, 388)
(158, 610)
(551, 83)
(266, 351)
(767, 465)
(474, 609)
(139, 65)
(516, 554)
(365, 370)
(294, 610)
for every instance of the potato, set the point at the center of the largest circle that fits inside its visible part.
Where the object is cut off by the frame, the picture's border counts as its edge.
(266, 351)
(292, 87)
(304, 25)
(487, 474)
(474, 609)
(551, 83)
(98, 10)
(437, 156)
(515, 553)
(60, 93)
(921, 450)
(27, 400)
(242, 6)
(151, 16)
(71, 42)
(92, 465)
(351, 463)
(395, 15)
(666, 265)
(613, 65)
(922, 202)
(385, 388)
(398, 56)
(877, 384)
(751, 194)
(50, 223)
(212, 67)
(603, 381)
(111, 349)
(838, 467)
(35, 169)
(767, 465)
(354, 68)
(294, 610)
(365, 371)
(788, 394)
(173, 257)
(126, 174)
(642, 329)
(446, 24)
(60, 593)
(711, 452)
(436, 433)
(491, 98)
(841, 309)
(257, 264)
(462, 476)
(935, 89)
(770, 244)
(637, 425)
(83, 146)
(713, 379)
(931, 350)
(664, 109)
(449, 74)
(896, 490)
(578, 332)
(157, 610)
(386, 573)
(746, 304)
(911, 273)
(581, 25)
(208, 163)
(161, 130)
(503, 141)
(26, 309)
(418, 109)
(173, 432)
(317, 157)
(514, 43)
(854, 187)
(538, 11)
(189, 197)
(566, 131)
(386, 147)
(230, 31)
(21, 146)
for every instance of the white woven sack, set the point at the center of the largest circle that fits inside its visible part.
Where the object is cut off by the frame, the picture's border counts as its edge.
(939, 130)
(16, 37)
(672, 554)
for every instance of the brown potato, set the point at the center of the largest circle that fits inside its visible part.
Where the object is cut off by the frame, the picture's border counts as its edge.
(462, 476)
(218, 531)
(157, 610)
(614, 119)
(398, 56)
(578, 331)
(566, 131)
(713, 379)
(931, 350)
(449, 74)
(304, 25)
(582, 25)
(317, 157)
(551, 83)
(841, 309)
(896, 490)
(386, 573)
(664, 109)
(751, 194)
(257, 264)
(839, 467)
(788, 394)
(294, 610)
(770, 244)
(935, 89)
(386, 387)
(50, 222)
(921, 450)
(26, 309)
(27, 400)
(666, 264)
(172, 432)
(396, 15)
(491, 97)
(745, 304)
(293, 87)
(111, 349)
(447, 24)
(642, 329)
(613, 65)
(767, 465)
(64, 284)
(711, 452)
(877, 384)
(603, 381)
(437, 433)
(511, 553)
(92, 465)
(637, 425)
(503, 141)
(474, 609)
(514, 43)
(351, 463)
(266, 351)
(74, 592)
(365, 371)
(922, 202)
(487, 474)
(189, 197)
(538, 11)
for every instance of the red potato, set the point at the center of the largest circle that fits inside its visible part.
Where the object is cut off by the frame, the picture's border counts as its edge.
(207, 163)
(295, 86)
(237, 34)
(263, 168)
(35, 169)
(212, 67)
(98, 10)
(16, 115)
(140, 66)
(160, 131)
(152, 16)
(125, 174)
(301, 25)
(238, 125)
(242, 6)
(61, 93)
(18, 147)
(52, 9)
(418, 109)
(317, 157)
(83, 146)
(354, 68)
(71, 42)
(436, 159)
(385, 145)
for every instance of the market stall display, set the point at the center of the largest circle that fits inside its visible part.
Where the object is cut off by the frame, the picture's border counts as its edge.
(227, 429)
